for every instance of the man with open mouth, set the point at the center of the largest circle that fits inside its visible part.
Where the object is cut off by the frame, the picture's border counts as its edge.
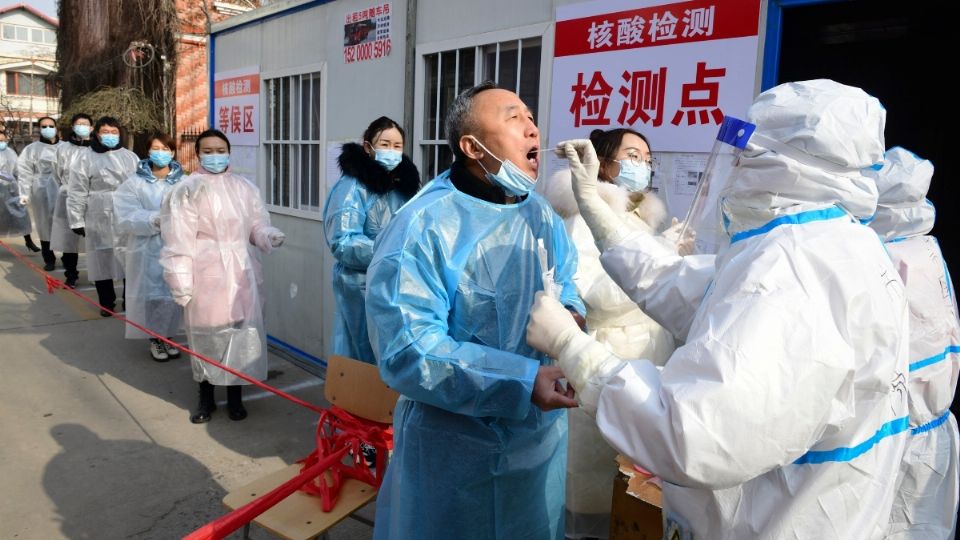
(480, 430)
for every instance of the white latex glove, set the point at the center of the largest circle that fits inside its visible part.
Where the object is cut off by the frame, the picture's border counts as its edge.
(685, 245)
(183, 300)
(606, 227)
(276, 238)
(24, 200)
(551, 325)
(586, 363)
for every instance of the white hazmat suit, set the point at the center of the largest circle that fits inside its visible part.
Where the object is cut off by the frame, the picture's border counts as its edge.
(784, 414)
(926, 502)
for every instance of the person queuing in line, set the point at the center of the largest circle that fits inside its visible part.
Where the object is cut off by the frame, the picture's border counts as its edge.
(784, 414)
(377, 180)
(926, 502)
(62, 239)
(35, 168)
(96, 173)
(212, 224)
(14, 216)
(136, 206)
(480, 432)
(8, 156)
(612, 317)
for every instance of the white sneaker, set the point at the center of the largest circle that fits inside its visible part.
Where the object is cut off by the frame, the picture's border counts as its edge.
(158, 351)
(172, 351)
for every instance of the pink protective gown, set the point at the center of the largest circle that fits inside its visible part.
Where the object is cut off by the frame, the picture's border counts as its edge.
(212, 226)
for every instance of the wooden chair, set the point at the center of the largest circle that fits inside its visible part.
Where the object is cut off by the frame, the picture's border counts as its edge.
(357, 388)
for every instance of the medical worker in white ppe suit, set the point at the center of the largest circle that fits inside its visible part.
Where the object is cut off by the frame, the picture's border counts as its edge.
(926, 502)
(784, 414)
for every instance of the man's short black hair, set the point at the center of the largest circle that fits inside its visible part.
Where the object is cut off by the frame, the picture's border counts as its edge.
(460, 118)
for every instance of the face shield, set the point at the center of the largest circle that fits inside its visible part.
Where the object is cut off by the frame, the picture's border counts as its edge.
(704, 220)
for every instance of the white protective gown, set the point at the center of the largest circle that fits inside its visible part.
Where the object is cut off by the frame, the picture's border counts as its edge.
(8, 162)
(93, 180)
(214, 227)
(136, 205)
(784, 414)
(14, 217)
(925, 506)
(61, 237)
(35, 172)
(616, 322)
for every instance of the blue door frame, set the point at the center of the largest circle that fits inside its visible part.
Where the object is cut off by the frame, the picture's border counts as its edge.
(771, 47)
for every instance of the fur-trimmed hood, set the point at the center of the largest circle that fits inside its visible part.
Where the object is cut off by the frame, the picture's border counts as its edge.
(557, 188)
(355, 162)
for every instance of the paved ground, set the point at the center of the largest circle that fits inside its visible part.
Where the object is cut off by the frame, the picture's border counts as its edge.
(96, 441)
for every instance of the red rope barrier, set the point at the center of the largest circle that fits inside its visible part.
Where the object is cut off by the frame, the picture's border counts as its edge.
(338, 432)
(52, 284)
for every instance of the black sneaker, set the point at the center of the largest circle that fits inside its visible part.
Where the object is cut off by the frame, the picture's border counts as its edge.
(49, 267)
(71, 282)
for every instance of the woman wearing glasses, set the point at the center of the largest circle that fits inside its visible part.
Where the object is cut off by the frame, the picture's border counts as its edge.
(614, 319)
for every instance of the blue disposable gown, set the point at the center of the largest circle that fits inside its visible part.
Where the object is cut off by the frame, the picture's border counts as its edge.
(451, 286)
(136, 207)
(352, 219)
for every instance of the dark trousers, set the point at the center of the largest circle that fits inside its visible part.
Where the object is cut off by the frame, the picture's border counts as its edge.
(48, 256)
(106, 295)
(70, 265)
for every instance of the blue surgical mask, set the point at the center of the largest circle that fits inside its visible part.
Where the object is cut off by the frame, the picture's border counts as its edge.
(388, 158)
(48, 133)
(633, 176)
(3, 146)
(215, 163)
(110, 141)
(81, 130)
(161, 158)
(513, 180)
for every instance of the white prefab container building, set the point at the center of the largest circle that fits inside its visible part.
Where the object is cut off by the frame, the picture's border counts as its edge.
(293, 80)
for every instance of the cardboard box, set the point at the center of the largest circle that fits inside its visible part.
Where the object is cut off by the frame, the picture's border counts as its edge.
(637, 501)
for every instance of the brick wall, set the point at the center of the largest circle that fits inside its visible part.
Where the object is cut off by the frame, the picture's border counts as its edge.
(192, 81)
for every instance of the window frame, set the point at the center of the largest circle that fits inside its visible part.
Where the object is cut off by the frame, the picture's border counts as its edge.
(262, 170)
(29, 34)
(49, 89)
(544, 31)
